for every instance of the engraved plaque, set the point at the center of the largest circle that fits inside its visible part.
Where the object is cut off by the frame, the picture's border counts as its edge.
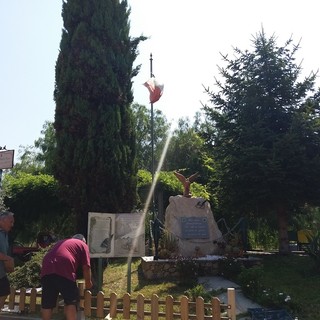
(194, 227)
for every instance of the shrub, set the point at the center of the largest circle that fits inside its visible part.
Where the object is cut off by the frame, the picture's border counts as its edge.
(254, 287)
(28, 275)
(263, 235)
(271, 298)
(250, 281)
(313, 249)
(229, 268)
(198, 291)
(168, 245)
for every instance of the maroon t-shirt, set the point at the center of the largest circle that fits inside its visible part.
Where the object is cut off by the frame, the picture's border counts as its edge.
(65, 257)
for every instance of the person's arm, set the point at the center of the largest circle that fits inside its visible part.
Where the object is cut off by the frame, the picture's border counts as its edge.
(87, 276)
(3, 256)
(8, 262)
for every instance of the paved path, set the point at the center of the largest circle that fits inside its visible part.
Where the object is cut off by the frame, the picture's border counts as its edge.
(216, 283)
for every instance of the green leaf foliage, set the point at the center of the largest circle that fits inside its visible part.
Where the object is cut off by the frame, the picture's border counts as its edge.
(37, 205)
(313, 248)
(168, 185)
(28, 274)
(144, 136)
(187, 152)
(265, 141)
(266, 135)
(95, 156)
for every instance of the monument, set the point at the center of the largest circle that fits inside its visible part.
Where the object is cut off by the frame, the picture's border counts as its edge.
(190, 221)
(190, 232)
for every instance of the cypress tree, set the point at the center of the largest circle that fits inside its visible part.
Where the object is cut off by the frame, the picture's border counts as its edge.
(95, 153)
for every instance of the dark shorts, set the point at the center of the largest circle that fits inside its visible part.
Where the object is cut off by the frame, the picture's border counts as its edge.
(4, 286)
(52, 285)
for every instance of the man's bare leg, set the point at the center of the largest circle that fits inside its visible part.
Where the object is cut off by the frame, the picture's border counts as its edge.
(70, 312)
(46, 314)
(2, 301)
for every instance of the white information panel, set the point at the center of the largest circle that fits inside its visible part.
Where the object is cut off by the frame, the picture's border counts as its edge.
(116, 235)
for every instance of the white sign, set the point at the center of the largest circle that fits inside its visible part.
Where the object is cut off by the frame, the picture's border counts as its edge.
(116, 235)
(6, 159)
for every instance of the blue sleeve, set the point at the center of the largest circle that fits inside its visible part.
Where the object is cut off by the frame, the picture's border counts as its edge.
(4, 246)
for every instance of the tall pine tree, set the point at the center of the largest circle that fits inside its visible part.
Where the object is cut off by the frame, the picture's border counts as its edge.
(95, 155)
(266, 133)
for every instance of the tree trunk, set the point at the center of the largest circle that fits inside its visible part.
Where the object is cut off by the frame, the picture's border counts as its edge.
(282, 215)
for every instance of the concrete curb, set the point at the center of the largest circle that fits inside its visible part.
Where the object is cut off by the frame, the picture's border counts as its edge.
(217, 283)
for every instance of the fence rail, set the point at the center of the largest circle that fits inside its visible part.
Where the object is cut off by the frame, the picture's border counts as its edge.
(99, 306)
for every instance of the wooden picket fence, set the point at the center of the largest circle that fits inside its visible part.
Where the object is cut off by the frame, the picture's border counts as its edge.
(98, 307)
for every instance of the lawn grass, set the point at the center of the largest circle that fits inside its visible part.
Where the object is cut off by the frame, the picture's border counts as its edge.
(115, 280)
(294, 275)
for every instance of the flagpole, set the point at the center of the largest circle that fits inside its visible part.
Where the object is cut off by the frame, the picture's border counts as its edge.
(152, 135)
(154, 219)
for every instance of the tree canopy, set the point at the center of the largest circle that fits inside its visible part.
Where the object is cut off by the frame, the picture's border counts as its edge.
(187, 152)
(265, 133)
(142, 120)
(37, 205)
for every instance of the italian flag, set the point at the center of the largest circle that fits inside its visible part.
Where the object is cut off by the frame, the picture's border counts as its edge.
(155, 89)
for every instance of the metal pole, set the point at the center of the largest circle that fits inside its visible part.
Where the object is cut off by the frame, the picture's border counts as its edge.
(100, 274)
(155, 225)
(129, 275)
(152, 161)
(152, 135)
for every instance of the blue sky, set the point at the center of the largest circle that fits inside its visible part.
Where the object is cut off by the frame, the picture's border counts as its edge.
(186, 39)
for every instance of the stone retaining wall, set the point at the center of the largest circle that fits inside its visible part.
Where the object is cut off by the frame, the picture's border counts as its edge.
(164, 269)
(169, 269)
